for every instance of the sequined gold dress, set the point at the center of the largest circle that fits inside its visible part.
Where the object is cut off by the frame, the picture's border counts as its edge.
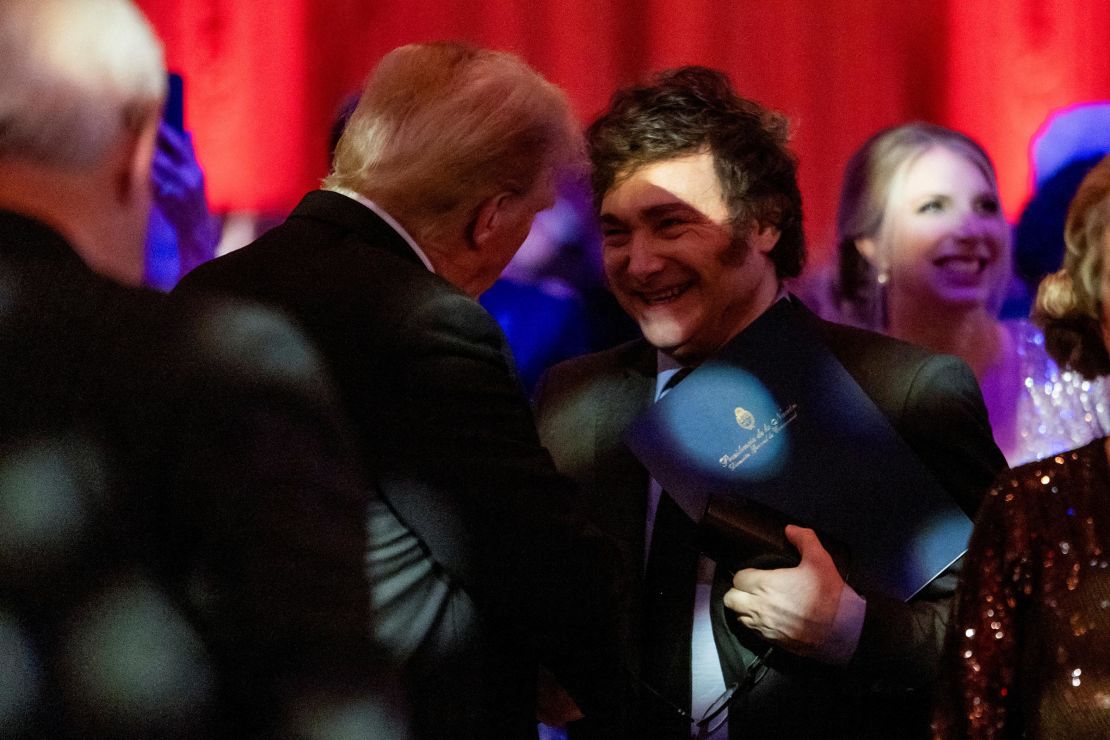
(1030, 647)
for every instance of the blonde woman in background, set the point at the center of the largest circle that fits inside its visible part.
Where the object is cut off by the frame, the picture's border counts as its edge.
(924, 255)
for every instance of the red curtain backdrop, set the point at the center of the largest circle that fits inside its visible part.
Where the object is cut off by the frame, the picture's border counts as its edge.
(263, 80)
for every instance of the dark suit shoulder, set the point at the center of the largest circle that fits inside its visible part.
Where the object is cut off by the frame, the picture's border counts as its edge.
(574, 389)
(433, 304)
(243, 344)
(583, 405)
(886, 368)
(863, 349)
(360, 297)
(934, 402)
(330, 250)
(635, 356)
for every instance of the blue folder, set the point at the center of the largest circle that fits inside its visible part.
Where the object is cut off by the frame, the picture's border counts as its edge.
(775, 419)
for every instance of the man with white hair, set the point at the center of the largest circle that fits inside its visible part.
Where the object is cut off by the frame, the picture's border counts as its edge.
(183, 526)
(80, 112)
(445, 161)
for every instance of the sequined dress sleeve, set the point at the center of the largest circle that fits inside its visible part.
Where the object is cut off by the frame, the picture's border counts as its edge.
(1056, 409)
(1030, 641)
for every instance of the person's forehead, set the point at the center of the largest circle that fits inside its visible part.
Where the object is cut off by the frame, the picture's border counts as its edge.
(942, 167)
(689, 178)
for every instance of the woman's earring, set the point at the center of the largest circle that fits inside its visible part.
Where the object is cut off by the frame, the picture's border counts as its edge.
(878, 305)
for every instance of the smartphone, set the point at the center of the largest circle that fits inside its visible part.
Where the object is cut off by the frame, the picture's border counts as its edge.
(174, 112)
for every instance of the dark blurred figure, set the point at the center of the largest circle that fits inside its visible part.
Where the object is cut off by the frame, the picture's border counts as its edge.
(1069, 143)
(441, 168)
(183, 538)
(1029, 649)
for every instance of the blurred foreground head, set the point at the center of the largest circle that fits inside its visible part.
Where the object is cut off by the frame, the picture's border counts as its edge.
(80, 99)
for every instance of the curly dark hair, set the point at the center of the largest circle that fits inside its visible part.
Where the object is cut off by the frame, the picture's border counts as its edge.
(693, 109)
(1068, 305)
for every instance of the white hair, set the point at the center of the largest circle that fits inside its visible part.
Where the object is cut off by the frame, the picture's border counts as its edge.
(76, 74)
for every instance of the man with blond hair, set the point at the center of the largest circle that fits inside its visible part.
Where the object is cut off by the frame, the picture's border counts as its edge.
(450, 153)
(153, 452)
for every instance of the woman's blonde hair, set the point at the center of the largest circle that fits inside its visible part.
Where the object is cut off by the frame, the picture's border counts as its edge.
(1068, 305)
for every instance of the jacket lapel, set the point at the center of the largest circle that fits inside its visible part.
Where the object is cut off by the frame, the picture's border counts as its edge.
(621, 480)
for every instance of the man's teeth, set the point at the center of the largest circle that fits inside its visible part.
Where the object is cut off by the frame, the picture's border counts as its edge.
(663, 295)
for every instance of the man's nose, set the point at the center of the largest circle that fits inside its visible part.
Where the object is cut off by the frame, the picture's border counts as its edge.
(644, 259)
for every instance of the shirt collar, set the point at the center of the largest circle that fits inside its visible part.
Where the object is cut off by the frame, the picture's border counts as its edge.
(384, 216)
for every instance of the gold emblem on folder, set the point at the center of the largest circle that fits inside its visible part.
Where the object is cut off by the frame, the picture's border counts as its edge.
(745, 419)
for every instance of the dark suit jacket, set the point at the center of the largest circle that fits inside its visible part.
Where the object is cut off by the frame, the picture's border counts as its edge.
(196, 499)
(583, 407)
(445, 428)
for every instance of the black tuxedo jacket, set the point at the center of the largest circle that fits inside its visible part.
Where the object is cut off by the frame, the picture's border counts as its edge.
(583, 408)
(194, 496)
(426, 378)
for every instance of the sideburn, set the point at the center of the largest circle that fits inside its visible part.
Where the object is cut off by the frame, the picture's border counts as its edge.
(738, 248)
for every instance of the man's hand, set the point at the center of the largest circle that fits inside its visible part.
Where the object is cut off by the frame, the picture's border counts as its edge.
(796, 608)
(179, 194)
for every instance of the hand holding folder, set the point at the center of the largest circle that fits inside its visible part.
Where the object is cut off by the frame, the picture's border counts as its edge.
(739, 533)
(799, 608)
(773, 430)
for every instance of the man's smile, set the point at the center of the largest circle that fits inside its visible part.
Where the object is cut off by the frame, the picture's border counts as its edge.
(663, 295)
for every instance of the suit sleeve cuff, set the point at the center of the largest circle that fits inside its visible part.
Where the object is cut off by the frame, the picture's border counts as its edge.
(847, 627)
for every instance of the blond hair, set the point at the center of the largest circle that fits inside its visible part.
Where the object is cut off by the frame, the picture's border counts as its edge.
(441, 127)
(1068, 304)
